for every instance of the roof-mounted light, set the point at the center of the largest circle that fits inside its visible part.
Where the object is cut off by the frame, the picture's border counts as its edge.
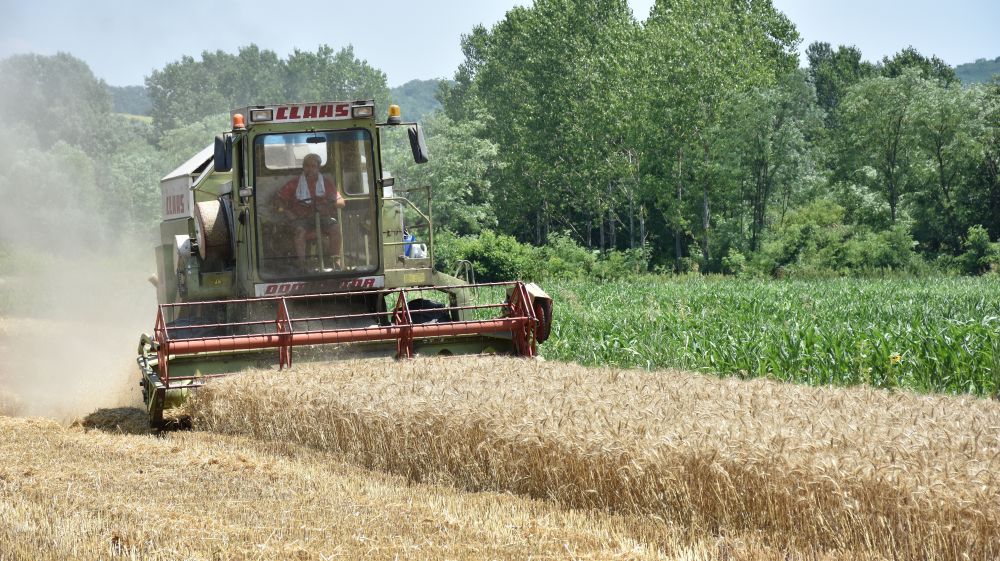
(363, 111)
(395, 115)
(238, 124)
(259, 115)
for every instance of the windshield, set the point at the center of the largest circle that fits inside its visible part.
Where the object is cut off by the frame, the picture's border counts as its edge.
(315, 204)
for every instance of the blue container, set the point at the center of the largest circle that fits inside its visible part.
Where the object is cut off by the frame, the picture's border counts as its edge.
(408, 247)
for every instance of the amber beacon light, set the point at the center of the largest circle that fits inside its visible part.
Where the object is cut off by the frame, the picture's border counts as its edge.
(395, 115)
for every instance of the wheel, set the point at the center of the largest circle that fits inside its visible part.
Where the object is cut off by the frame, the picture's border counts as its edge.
(543, 312)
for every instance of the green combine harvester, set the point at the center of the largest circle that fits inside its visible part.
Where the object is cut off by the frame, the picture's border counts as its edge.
(288, 237)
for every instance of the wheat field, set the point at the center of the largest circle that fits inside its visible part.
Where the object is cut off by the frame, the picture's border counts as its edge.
(79, 493)
(498, 458)
(808, 472)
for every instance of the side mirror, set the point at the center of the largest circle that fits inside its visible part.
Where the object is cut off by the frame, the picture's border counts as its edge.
(224, 152)
(417, 144)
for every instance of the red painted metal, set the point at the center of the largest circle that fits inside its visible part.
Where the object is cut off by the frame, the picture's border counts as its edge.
(401, 317)
(160, 334)
(285, 329)
(515, 316)
(524, 332)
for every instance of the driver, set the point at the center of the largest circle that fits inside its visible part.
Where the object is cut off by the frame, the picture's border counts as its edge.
(300, 199)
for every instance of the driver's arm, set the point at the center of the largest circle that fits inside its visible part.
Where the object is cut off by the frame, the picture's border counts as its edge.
(337, 200)
(284, 199)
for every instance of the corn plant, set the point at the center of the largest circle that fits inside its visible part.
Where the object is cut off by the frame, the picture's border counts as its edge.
(928, 335)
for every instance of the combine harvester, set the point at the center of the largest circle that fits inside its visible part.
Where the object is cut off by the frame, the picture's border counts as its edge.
(258, 258)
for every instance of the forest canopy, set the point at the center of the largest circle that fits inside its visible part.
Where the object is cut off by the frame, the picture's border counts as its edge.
(691, 141)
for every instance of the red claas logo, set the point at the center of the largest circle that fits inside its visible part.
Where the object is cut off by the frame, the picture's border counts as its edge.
(319, 111)
(174, 204)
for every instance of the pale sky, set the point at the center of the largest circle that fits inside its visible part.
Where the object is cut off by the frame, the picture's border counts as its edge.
(123, 41)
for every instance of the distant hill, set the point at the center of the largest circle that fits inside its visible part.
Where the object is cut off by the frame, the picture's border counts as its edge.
(131, 99)
(979, 72)
(415, 98)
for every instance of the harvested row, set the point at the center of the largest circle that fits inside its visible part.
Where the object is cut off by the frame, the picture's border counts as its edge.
(810, 471)
(69, 493)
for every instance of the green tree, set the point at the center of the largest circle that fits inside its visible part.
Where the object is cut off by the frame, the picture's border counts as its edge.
(129, 170)
(987, 199)
(946, 119)
(459, 97)
(764, 145)
(551, 79)
(131, 99)
(463, 196)
(51, 201)
(178, 145)
(130, 180)
(188, 90)
(252, 76)
(696, 57)
(931, 68)
(333, 75)
(877, 136)
(57, 97)
(185, 91)
(832, 73)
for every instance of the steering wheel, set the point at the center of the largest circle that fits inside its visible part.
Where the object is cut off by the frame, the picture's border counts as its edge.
(317, 205)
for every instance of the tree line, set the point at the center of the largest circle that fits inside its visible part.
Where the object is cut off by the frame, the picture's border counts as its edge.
(688, 141)
(696, 135)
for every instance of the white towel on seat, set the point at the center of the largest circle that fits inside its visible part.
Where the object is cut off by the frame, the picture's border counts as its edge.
(302, 191)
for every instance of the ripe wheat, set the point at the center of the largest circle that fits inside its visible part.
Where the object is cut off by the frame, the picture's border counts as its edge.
(869, 472)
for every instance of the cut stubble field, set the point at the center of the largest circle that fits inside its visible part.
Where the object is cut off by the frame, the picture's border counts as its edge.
(79, 493)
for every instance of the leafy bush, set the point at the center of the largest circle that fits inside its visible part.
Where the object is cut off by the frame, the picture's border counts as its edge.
(621, 264)
(948, 265)
(809, 243)
(815, 242)
(563, 258)
(496, 257)
(734, 263)
(981, 255)
(887, 250)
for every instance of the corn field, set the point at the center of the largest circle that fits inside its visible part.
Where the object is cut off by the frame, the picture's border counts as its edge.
(928, 335)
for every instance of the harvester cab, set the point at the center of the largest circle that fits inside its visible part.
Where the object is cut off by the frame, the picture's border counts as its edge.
(288, 235)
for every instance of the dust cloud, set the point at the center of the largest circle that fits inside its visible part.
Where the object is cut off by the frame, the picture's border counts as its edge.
(74, 295)
(71, 346)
